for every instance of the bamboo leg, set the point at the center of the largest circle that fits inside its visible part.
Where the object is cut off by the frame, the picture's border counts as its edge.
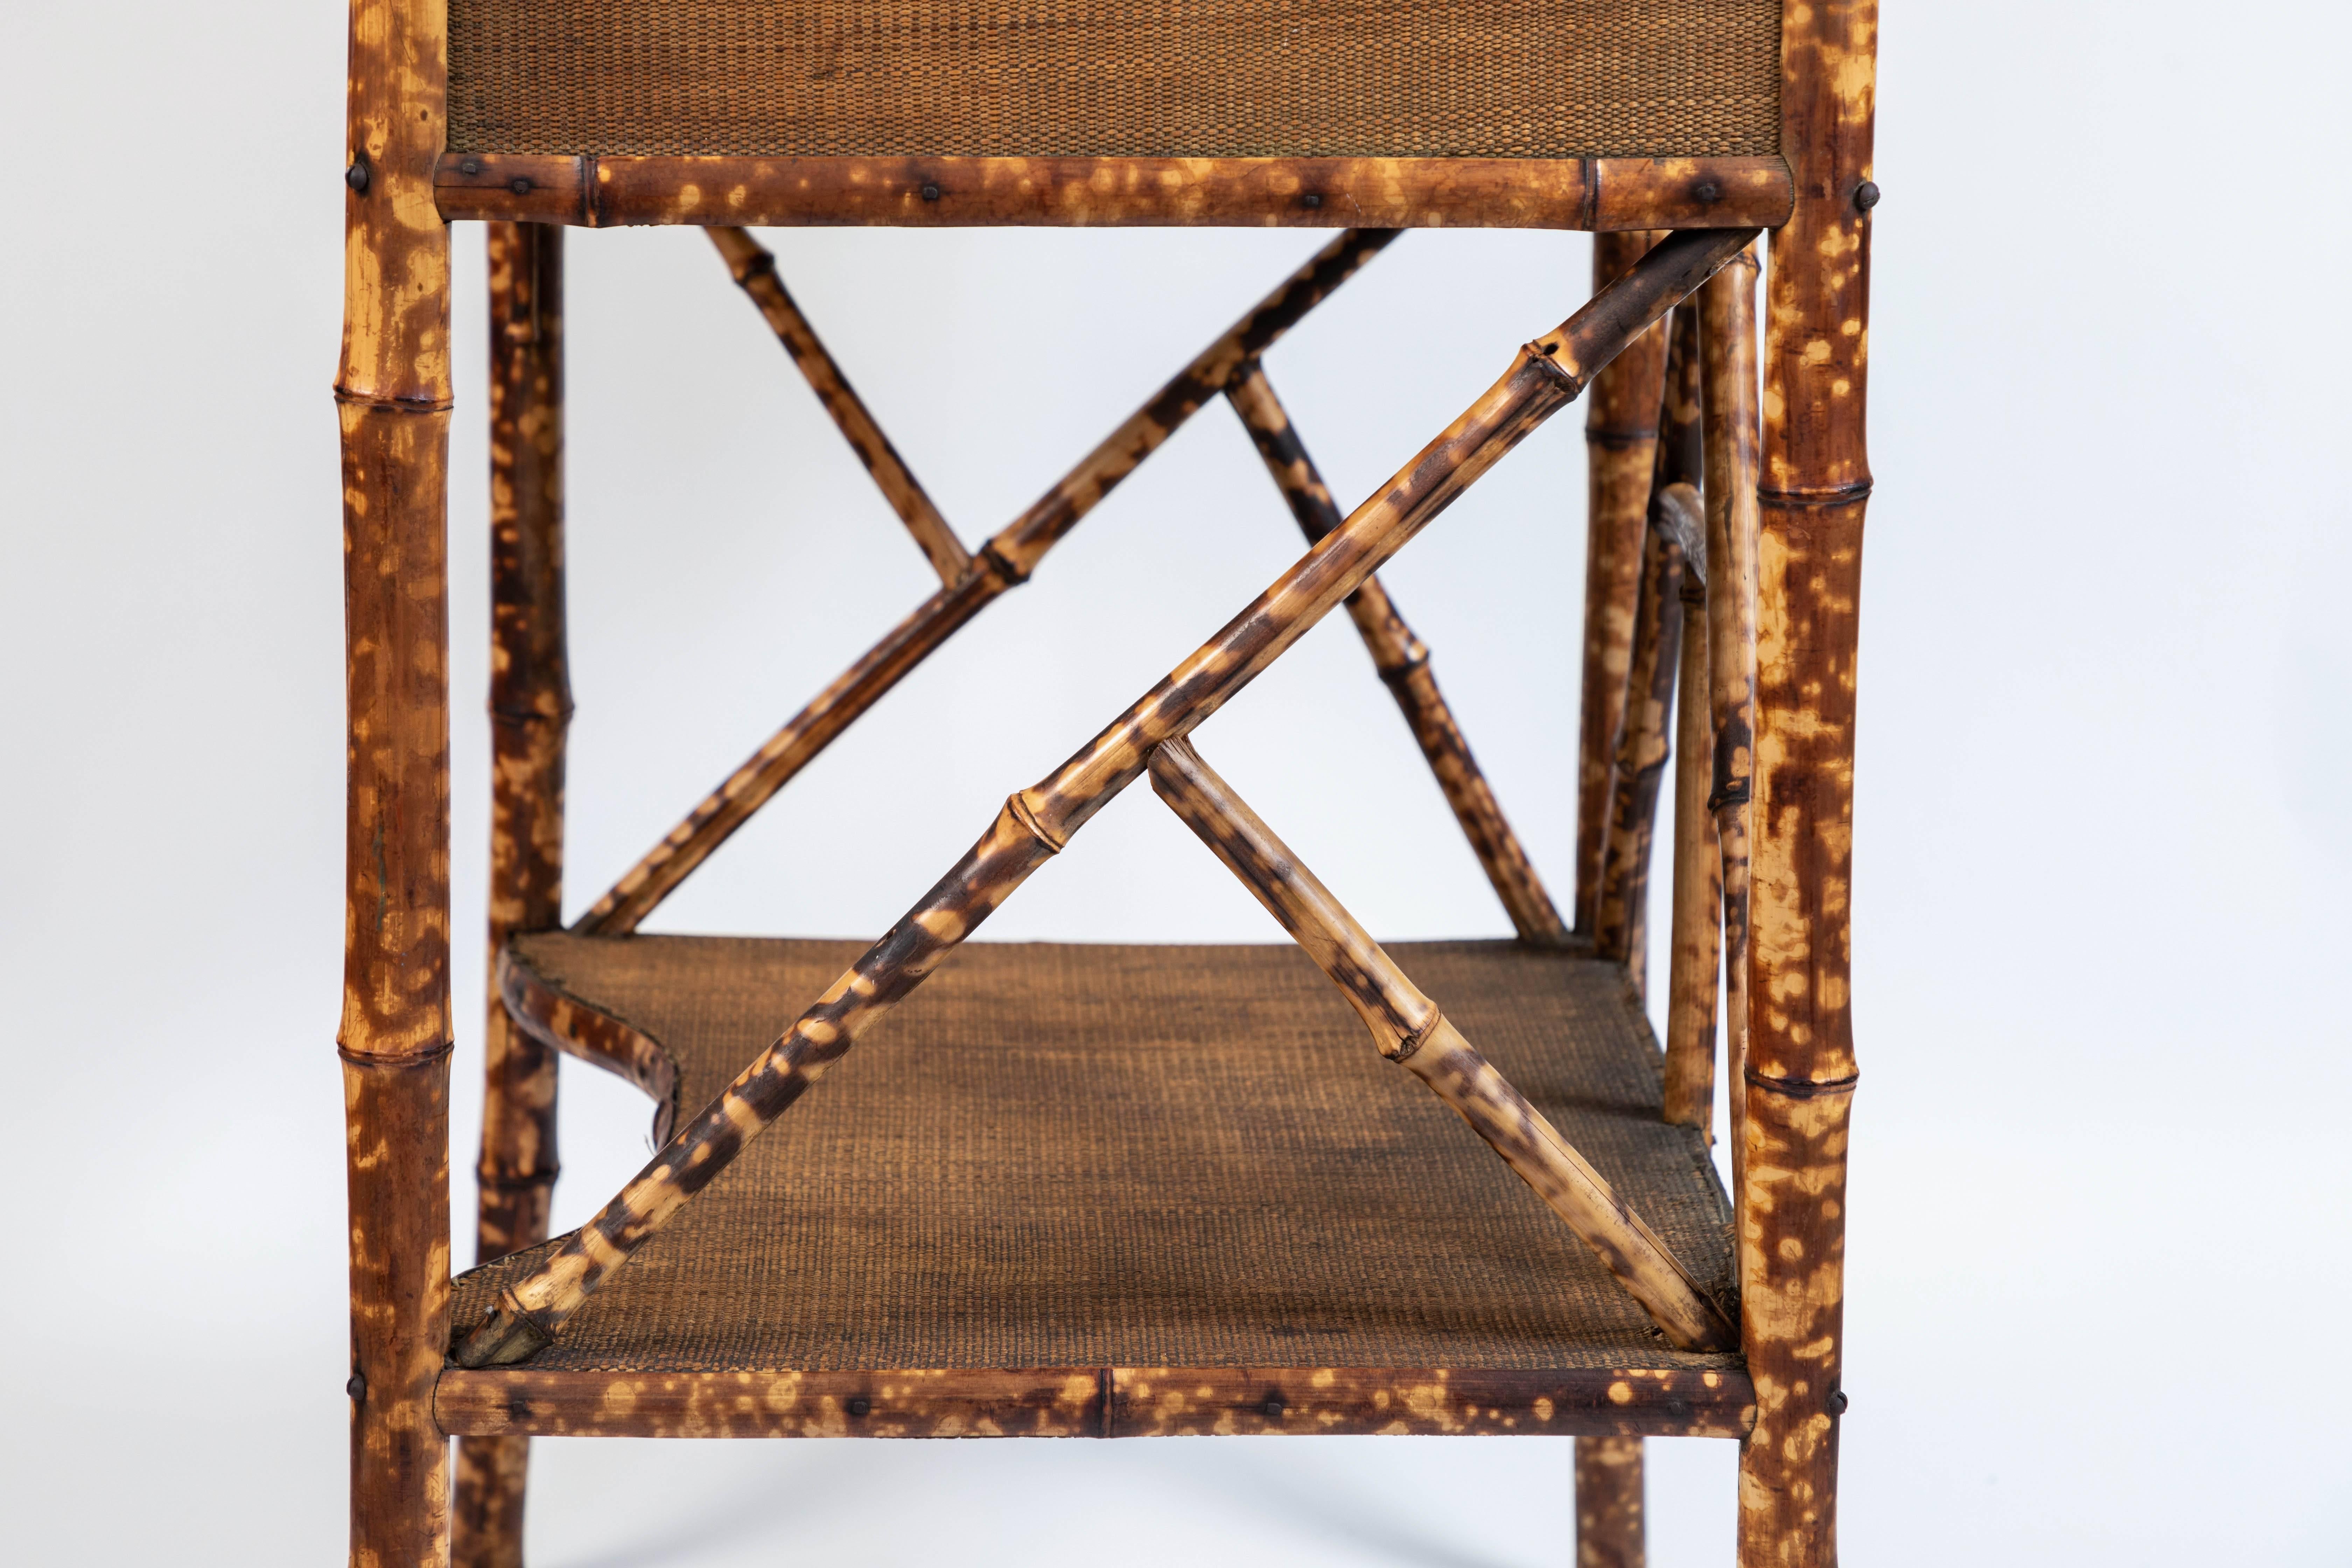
(1801, 1070)
(1005, 562)
(1621, 437)
(1037, 822)
(1727, 328)
(1407, 1027)
(1403, 666)
(530, 708)
(1699, 876)
(392, 391)
(754, 271)
(1609, 1525)
(1621, 928)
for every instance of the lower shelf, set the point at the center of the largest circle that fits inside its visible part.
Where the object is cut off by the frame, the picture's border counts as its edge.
(1099, 1190)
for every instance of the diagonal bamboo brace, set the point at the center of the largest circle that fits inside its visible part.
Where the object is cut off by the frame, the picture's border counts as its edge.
(754, 270)
(1005, 562)
(1407, 1027)
(1037, 822)
(1402, 663)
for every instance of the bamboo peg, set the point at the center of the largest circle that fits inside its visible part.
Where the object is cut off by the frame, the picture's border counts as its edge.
(1727, 333)
(1800, 1071)
(1610, 1528)
(1620, 440)
(1402, 663)
(1698, 897)
(1005, 562)
(754, 270)
(1407, 1027)
(1037, 822)
(530, 708)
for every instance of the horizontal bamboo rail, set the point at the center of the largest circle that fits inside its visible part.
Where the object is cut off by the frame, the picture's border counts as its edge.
(1036, 823)
(1407, 1027)
(754, 270)
(1004, 562)
(1402, 663)
(1601, 194)
(1097, 1402)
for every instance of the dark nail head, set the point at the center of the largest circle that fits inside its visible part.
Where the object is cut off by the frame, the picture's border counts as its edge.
(471, 167)
(1837, 1402)
(1273, 1406)
(1311, 199)
(356, 176)
(930, 192)
(1707, 191)
(861, 1406)
(356, 1387)
(519, 185)
(1865, 195)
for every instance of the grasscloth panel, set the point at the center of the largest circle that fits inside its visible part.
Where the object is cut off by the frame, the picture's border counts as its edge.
(1098, 1156)
(1428, 79)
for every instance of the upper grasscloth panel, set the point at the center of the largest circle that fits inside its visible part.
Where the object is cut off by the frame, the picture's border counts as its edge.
(1408, 78)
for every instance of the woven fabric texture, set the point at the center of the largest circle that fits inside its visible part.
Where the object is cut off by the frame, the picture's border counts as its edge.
(1080, 1155)
(1405, 78)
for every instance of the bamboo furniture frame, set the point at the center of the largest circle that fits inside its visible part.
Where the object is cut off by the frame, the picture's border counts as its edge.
(1727, 487)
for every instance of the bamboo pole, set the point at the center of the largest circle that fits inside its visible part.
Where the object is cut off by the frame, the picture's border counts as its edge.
(392, 392)
(1697, 896)
(1407, 1027)
(1728, 334)
(1610, 1528)
(1402, 663)
(1621, 438)
(754, 271)
(607, 190)
(1005, 562)
(530, 709)
(1800, 1071)
(1036, 823)
(1622, 921)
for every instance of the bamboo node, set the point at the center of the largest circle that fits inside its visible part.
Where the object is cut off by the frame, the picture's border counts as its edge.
(1803, 1087)
(1020, 811)
(1419, 1038)
(1736, 793)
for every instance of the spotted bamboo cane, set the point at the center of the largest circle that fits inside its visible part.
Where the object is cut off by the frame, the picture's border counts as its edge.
(754, 270)
(1622, 923)
(1407, 1027)
(531, 707)
(1800, 1071)
(1620, 440)
(1005, 562)
(392, 392)
(1728, 334)
(1038, 822)
(1610, 1528)
(1698, 897)
(1402, 663)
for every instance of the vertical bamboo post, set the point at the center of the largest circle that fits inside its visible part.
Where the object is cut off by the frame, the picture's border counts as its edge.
(1622, 923)
(530, 708)
(392, 391)
(1697, 903)
(1621, 437)
(1801, 1070)
(1727, 330)
(1608, 1526)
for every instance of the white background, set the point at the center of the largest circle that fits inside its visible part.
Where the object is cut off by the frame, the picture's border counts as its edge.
(2097, 1269)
